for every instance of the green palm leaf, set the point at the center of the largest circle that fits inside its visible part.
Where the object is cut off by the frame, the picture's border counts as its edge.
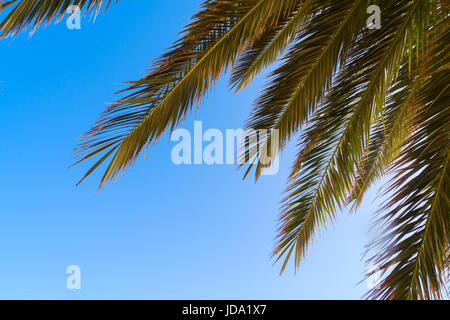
(336, 140)
(211, 43)
(412, 252)
(37, 12)
(368, 102)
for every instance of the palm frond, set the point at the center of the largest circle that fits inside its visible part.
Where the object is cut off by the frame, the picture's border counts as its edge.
(37, 12)
(387, 135)
(210, 44)
(412, 252)
(300, 83)
(334, 143)
(272, 43)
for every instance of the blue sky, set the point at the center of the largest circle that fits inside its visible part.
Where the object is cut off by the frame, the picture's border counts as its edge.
(162, 231)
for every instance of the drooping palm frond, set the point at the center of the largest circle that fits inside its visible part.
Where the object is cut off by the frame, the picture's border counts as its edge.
(368, 101)
(412, 252)
(387, 135)
(210, 44)
(37, 12)
(334, 144)
(300, 83)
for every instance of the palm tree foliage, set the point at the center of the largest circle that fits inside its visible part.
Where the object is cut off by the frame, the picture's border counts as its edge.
(36, 12)
(362, 103)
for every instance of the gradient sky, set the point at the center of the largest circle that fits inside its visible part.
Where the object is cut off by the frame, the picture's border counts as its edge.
(162, 231)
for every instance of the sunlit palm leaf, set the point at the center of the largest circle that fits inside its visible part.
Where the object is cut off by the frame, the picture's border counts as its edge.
(37, 12)
(181, 78)
(412, 253)
(361, 113)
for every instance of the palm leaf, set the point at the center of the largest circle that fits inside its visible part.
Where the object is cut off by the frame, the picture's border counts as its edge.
(211, 42)
(37, 12)
(299, 84)
(388, 134)
(4, 5)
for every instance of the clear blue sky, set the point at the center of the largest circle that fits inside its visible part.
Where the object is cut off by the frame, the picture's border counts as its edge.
(162, 231)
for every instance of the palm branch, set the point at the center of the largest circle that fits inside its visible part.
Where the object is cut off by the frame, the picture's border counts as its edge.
(413, 250)
(37, 12)
(362, 103)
